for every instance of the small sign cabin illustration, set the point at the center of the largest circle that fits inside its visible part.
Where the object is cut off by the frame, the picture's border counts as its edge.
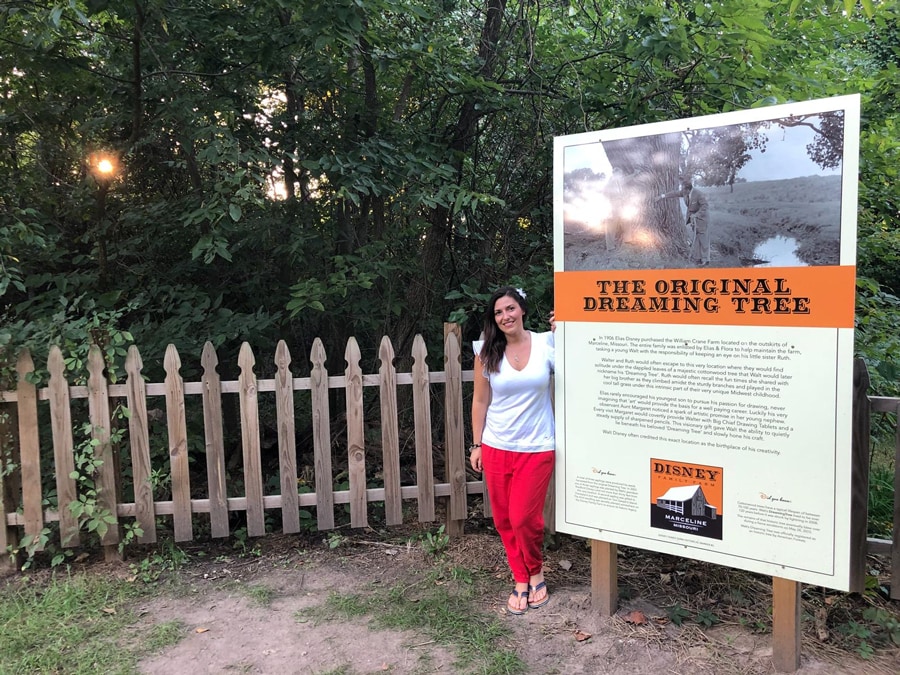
(687, 500)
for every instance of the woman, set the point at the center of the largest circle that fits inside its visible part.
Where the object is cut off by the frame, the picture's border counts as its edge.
(514, 437)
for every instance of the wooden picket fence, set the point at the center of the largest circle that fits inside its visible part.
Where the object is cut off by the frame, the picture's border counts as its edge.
(22, 502)
(22, 508)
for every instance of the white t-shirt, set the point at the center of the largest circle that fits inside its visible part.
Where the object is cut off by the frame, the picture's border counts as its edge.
(520, 415)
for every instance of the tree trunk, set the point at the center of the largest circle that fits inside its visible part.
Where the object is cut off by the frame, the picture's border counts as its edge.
(421, 291)
(644, 169)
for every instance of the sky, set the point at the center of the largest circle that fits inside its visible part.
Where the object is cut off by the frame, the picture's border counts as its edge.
(785, 157)
(587, 156)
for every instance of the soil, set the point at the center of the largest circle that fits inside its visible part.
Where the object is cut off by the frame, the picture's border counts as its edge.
(226, 630)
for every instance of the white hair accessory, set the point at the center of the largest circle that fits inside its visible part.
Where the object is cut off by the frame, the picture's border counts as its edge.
(521, 293)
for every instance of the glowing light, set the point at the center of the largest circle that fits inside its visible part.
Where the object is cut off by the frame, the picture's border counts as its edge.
(592, 210)
(103, 165)
(630, 212)
(644, 238)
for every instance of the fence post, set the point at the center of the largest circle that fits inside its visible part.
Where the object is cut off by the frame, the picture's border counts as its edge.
(10, 484)
(356, 436)
(454, 446)
(29, 452)
(390, 434)
(424, 445)
(214, 437)
(63, 448)
(176, 422)
(253, 484)
(101, 427)
(287, 444)
(321, 420)
(139, 441)
(895, 539)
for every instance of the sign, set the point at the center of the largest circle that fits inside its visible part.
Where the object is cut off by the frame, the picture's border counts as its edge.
(705, 280)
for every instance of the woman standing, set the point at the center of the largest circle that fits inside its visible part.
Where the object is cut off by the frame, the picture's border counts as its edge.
(514, 437)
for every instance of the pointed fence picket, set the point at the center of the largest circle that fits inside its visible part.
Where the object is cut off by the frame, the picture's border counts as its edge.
(22, 513)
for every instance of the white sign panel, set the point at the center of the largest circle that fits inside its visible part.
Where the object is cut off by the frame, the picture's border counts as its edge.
(705, 279)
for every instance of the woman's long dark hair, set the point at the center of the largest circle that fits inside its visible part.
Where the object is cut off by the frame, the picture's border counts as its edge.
(494, 338)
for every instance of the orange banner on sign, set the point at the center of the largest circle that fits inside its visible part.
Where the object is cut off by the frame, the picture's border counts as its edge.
(821, 297)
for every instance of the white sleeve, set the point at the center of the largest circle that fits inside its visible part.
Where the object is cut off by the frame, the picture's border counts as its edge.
(476, 346)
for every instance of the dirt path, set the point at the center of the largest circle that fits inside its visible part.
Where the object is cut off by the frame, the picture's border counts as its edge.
(227, 629)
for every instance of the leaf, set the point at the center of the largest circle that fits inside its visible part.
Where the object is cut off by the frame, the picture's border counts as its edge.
(201, 630)
(581, 636)
(234, 210)
(108, 610)
(636, 618)
(565, 564)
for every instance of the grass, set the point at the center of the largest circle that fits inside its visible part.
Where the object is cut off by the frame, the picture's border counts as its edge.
(446, 611)
(260, 594)
(164, 635)
(72, 624)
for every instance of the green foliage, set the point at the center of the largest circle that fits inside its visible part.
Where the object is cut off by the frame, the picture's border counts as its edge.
(881, 502)
(678, 614)
(706, 618)
(436, 542)
(243, 543)
(168, 558)
(876, 340)
(335, 539)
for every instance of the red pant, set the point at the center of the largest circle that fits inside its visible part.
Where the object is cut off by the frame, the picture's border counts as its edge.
(517, 485)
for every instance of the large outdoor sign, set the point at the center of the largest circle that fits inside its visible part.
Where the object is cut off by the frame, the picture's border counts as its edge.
(705, 273)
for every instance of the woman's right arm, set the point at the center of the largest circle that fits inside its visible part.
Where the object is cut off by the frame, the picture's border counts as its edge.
(481, 399)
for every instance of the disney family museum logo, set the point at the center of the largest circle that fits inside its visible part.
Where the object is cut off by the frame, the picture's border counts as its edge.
(686, 498)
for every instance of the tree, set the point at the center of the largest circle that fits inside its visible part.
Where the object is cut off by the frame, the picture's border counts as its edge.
(716, 156)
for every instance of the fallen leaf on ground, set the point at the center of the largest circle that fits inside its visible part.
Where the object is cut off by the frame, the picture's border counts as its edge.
(108, 610)
(635, 617)
(565, 564)
(201, 630)
(581, 636)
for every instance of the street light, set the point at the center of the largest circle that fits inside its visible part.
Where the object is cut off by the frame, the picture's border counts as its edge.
(103, 167)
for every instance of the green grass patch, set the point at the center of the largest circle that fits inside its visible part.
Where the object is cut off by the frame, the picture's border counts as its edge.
(74, 624)
(448, 612)
(164, 635)
(261, 595)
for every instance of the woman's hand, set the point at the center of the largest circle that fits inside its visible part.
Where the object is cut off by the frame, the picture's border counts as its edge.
(552, 322)
(475, 459)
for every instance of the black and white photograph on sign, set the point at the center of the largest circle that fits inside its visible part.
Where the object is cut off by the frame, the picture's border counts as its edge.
(759, 194)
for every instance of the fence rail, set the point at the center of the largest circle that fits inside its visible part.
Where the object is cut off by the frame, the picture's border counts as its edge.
(23, 503)
(24, 462)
